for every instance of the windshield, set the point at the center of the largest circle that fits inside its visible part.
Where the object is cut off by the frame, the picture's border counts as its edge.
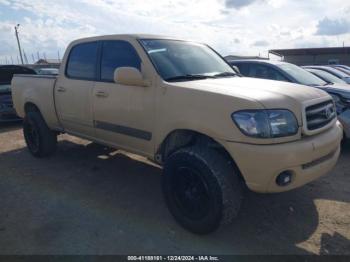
(174, 59)
(327, 76)
(302, 76)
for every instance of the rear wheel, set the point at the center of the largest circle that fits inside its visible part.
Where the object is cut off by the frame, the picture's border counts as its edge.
(41, 141)
(201, 189)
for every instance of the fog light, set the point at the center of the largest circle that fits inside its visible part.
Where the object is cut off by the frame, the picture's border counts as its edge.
(285, 178)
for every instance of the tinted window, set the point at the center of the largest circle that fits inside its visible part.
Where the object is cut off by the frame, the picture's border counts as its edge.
(117, 54)
(266, 72)
(243, 68)
(82, 61)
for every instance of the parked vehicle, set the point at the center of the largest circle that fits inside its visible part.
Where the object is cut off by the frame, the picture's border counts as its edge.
(342, 69)
(342, 66)
(7, 112)
(282, 71)
(332, 71)
(325, 76)
(47, 71)
(181, 105)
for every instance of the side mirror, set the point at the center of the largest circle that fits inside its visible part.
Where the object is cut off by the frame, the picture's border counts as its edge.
(129, 76)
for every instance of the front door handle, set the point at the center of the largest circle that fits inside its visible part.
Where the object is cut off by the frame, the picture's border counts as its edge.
(101, 94)
(61, 89)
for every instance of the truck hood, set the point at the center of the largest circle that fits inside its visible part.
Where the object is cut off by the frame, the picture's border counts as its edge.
(269, 93)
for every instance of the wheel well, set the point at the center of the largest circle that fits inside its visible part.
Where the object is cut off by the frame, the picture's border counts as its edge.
(30, 107)
(184, 138)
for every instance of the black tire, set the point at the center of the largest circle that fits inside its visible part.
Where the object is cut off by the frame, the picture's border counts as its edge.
(201, 188)
(41, 141)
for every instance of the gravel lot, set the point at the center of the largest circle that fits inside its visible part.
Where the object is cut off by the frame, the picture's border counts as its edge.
(87, 199)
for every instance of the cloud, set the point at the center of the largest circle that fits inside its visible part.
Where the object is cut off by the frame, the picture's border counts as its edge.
(230, 26)
(261, 43)
(331, 27)
(237, 4)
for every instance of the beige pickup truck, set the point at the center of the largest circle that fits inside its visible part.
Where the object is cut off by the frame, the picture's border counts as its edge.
(181, 105)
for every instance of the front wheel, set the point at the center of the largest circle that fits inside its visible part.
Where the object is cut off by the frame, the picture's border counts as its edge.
(40, 140)
(201, 189)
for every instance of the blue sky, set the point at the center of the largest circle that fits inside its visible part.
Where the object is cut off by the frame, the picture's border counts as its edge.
(247, 27)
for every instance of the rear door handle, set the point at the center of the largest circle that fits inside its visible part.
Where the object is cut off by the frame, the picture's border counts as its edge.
(101, 94)
(61, 89)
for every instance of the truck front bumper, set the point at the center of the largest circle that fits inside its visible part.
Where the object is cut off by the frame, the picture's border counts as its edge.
(305, 160)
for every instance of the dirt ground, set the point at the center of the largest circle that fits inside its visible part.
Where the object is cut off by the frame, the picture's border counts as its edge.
(87, 199)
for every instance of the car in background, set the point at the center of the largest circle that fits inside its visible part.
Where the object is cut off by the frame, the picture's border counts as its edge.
(282, 71)
(342, 66)
(7, 112)
(343, 69)
(47, 71)
(328, 77)
(334, 71)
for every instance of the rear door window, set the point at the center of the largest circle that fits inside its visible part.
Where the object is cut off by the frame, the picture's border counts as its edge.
(82, 61)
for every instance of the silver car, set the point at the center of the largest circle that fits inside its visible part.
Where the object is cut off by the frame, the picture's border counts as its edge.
(334, 71)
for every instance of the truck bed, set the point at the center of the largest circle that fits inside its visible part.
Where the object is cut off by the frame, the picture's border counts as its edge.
(36, 89)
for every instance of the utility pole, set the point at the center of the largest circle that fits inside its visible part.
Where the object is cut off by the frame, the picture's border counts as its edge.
(25, 57)
(19, 45)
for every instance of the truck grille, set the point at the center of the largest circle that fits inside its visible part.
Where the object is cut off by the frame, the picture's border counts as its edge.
(319, 115)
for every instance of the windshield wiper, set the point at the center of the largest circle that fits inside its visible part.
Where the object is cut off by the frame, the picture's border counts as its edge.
(225, 74)
(188, 77)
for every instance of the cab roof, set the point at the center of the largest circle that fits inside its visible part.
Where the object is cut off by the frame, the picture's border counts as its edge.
(127, 37)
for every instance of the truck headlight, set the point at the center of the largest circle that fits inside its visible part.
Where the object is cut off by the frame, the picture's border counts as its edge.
(266, 123)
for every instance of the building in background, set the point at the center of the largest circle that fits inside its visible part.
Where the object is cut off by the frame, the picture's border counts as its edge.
(49, 63)
(314, 56)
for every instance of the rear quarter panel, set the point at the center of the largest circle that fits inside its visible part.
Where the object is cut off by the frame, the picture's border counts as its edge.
(37, 90)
